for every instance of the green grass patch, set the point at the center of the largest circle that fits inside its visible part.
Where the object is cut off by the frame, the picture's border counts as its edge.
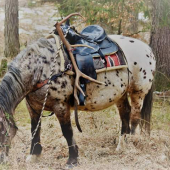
(3, 67)
(22, 117)
(161, 115)
(31, 4)
(4, 167)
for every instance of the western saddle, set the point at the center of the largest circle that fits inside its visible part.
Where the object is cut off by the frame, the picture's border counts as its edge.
(95, 43)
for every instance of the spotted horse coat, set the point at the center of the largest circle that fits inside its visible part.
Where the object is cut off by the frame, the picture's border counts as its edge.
(33, 65)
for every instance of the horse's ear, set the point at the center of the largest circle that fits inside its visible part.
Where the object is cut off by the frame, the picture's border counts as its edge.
(68, 22)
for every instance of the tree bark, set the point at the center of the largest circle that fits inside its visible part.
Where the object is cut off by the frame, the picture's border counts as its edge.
(11, 31)
(160, 42)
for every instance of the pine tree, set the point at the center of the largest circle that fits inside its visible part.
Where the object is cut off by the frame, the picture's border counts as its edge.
(11, 34)
(160, 41)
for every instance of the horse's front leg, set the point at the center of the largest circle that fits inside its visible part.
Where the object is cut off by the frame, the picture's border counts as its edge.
(63, 115)
(36, 147)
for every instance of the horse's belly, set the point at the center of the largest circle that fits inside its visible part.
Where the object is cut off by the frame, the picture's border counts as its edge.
(102, 96)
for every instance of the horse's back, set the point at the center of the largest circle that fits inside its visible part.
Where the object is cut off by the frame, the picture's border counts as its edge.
(136, 51)
(141, 61)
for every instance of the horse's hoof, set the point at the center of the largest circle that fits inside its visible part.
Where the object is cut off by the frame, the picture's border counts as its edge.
(119, 150)
(120, 145)
(32, 159)
(70, 166)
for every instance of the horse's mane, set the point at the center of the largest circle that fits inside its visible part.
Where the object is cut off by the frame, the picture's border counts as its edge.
(12, 87)
(37, 48)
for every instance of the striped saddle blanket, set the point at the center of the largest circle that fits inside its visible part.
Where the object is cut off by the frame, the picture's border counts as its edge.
(114, 61)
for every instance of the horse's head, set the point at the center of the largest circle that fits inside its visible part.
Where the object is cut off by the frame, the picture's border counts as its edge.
(7, 132)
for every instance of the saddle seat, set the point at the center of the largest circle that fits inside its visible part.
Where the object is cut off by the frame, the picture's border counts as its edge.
(96, 37)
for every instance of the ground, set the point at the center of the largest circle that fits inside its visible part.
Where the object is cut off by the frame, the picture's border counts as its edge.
(101, 129)
(97, 143)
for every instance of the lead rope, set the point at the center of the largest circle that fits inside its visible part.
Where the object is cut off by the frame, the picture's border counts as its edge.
(46, 95)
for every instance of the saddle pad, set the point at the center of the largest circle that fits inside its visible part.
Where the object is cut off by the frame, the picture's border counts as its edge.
(114, 61)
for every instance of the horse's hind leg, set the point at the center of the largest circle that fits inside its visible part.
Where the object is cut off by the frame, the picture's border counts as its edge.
(63, 115)
(137, 99)
(36, 147)
(124, 111)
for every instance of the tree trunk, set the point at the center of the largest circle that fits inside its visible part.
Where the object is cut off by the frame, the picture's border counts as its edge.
(160, 42)
(133, 20)
(11, 34)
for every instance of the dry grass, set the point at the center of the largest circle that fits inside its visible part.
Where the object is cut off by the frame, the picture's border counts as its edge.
(96, 144)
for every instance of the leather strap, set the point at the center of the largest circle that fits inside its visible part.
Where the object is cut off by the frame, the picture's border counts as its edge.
(41, 84)
(44, 82)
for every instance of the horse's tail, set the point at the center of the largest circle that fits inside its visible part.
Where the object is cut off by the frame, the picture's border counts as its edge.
(146, 110)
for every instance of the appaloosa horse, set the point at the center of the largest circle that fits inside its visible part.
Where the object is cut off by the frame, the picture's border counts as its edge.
(33, 66)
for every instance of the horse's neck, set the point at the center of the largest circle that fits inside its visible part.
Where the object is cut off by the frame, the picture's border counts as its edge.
(12, 91)
(25, 71)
